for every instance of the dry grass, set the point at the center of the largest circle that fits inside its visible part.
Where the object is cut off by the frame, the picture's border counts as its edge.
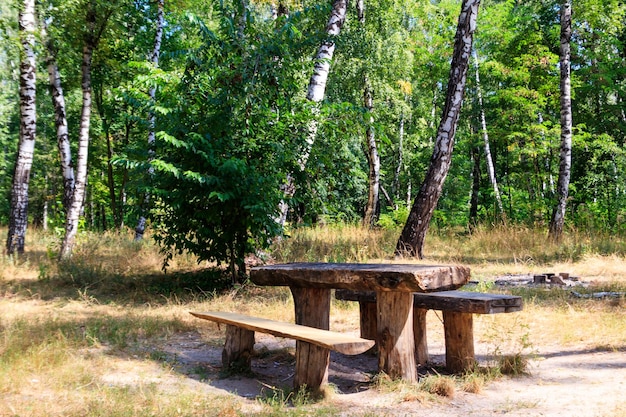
(81, 338)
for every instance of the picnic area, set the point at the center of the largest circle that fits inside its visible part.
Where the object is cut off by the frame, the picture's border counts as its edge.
(102, 337)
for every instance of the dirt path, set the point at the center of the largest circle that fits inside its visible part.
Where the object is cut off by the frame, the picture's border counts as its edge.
(562, 383)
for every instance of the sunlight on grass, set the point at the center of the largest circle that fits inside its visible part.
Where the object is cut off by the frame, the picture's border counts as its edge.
(94, 331)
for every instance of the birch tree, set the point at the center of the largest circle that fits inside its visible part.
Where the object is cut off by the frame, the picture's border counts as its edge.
(60, 119)
(483, 124)
(565, 164)
(91, 36)
(154, 59)
(18, 218)
(315, 93)
(411, 241)
(373, 158)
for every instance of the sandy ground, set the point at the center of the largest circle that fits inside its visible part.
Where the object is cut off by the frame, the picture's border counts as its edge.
(562, 382)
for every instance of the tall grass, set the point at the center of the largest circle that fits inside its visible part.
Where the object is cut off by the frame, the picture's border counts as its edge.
(335, 243)
(489, 251)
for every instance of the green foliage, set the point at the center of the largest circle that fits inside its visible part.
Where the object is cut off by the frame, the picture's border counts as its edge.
(232, 117)
(395, 219)
(230, 140)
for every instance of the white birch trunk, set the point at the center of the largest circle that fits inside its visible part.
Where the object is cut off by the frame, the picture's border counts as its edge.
(60, 120)
(18, 217)
(78, 197)
(551, 190)
(315, 93)
(558, 216)
(154, 59)
(317, 83)
(360, 11)
(411, 241)
(483, 123)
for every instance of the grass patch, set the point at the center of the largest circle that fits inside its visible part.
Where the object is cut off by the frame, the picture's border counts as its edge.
(71, 332)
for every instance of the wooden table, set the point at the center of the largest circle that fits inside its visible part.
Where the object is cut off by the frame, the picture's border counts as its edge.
(310, 284)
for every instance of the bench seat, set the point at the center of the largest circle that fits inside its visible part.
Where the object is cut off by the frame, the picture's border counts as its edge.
(340, 342)
(457, 308)
(459, 301)
(311, 368)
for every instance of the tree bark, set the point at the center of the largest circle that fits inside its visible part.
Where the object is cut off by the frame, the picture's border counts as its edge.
(60, 121)
(154, 59)
(490, 166)
(558, 215)
(315, 93)
(91, 38)
(317, 83)
(373, 159)
(396, 175)
(18, 217)
(473, 210)
(411, 241)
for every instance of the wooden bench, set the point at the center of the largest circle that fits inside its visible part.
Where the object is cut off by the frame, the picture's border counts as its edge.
(457, 308)
(311, 363)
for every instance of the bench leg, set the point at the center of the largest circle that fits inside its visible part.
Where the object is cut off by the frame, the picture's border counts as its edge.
(396, 345)
(312, 307)
(238, 348)
(368, 320)
(419, 333)
(459, 335)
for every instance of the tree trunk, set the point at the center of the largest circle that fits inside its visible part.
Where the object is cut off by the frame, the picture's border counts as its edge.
(558, 216)
(317, 83)
(550, 187)
(315, 93)
(396, 175)
(78, 197)
(154, 58)
(18, 217)
(473, 211)
(411, 241)
(373, 159)
(490, 167)
(60, 121)
(115, 209)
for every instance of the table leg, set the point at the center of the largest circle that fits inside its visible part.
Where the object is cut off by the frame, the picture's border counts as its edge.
(396, 345)
(312, 307)
(419, 333)
(368, 321)
(459, 335)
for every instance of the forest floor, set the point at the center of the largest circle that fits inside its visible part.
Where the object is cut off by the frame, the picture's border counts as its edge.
(563, 379)
(561, 382)
(95, 344)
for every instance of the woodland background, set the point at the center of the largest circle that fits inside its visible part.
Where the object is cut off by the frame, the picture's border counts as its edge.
(226, 100)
